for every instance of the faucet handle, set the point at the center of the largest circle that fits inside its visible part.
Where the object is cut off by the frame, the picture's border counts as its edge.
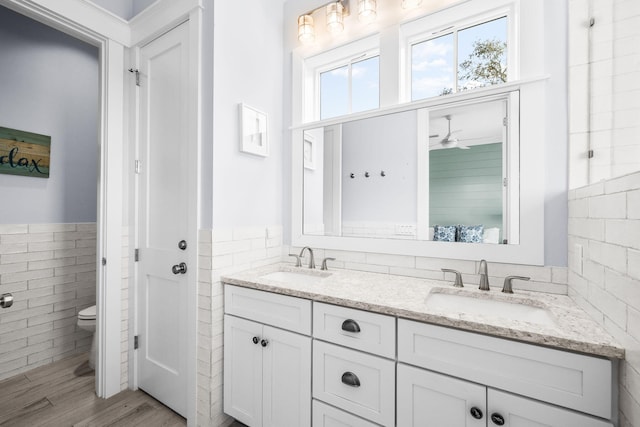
(298, 262)
(507, 288)
(324, 263)
(458, 282)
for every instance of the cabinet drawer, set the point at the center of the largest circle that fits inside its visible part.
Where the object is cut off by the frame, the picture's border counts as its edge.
(328, 416)
(293, 314)
(567, 379)
(356, 382)
(361, 330)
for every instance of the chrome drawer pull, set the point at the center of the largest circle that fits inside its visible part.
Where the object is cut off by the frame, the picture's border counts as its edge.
(350, 379)
(350, 325)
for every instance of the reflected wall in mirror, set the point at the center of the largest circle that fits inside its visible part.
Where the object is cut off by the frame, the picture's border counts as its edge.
(467, 152)
(421, 174)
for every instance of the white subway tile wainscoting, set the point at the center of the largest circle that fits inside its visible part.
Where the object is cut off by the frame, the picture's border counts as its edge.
(51, 271)
(604, 277)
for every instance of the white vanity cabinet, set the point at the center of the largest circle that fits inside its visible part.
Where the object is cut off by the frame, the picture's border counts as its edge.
(267, 370)
(353, 367)
(429, 398)
(471, 367)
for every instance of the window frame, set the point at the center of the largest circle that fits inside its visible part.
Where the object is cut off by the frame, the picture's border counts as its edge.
(449, 21)
(533, 72)
(348, 54)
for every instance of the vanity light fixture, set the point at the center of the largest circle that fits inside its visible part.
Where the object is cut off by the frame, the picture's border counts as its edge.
(336, 10)
(410, 4)
(306, 30)
(335, 17)
(367, 11)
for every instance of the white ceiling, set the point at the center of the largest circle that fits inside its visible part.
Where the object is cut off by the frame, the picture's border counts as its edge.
(471, 124)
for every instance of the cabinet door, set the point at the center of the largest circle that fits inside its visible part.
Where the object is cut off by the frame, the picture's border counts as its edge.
(243, 370)
(426, 398)
(286, 379)
(509, 410)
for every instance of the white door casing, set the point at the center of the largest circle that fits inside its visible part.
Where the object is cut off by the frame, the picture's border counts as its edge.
(163, 206)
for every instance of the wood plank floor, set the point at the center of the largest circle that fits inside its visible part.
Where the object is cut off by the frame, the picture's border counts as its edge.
(63, 394)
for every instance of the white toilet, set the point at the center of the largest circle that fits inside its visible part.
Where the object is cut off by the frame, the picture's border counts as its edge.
(87, 321)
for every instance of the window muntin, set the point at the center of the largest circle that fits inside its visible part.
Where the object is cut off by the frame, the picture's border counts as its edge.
(350, 88)
(468, 57)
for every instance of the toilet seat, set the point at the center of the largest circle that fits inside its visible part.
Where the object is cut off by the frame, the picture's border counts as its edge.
(88, 313)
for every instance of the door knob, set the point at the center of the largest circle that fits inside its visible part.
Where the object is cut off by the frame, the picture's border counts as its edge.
(6, 300)
(179, 268)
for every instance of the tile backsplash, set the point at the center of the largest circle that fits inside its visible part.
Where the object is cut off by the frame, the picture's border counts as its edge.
(51, 271)
(223, 251)
(604, 271)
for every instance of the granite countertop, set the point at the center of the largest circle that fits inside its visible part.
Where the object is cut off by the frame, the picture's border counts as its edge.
(567, 326)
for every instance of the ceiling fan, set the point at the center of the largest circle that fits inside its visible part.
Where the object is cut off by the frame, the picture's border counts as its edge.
(449, 141)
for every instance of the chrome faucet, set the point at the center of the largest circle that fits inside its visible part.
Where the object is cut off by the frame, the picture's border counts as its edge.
(312, 261)
(507, 288)
(484, 276)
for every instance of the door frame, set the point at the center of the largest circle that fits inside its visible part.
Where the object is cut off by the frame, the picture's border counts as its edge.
(77, 19)
(112, 36)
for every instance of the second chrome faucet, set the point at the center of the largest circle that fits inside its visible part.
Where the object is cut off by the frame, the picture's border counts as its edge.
(484, 276)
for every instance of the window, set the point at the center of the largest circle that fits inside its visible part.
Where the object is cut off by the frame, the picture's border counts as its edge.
(343, 80)
(350, 88)
(463, 58)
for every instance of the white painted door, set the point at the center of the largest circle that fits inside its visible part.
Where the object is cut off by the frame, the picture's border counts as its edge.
(162, 220)
(426, 398)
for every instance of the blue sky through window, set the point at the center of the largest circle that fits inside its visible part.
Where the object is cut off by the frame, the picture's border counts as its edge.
(365, 88)
(433, 70)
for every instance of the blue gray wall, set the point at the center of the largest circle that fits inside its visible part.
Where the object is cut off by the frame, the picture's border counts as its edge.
(49, 85)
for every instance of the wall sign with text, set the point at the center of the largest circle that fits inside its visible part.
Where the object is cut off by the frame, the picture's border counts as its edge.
(24, 153)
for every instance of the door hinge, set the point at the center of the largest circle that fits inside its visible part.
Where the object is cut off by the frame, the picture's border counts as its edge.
(135, 342)
(505, 182)
(590, 154)
(138, 166)
(136, 255)
(137, 72)
(104, 261)
(505, 121)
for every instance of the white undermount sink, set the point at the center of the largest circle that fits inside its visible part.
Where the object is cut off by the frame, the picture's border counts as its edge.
(299, 277)
(489, 307)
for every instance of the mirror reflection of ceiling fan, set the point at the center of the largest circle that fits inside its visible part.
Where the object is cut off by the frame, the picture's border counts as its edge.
(449, 140)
